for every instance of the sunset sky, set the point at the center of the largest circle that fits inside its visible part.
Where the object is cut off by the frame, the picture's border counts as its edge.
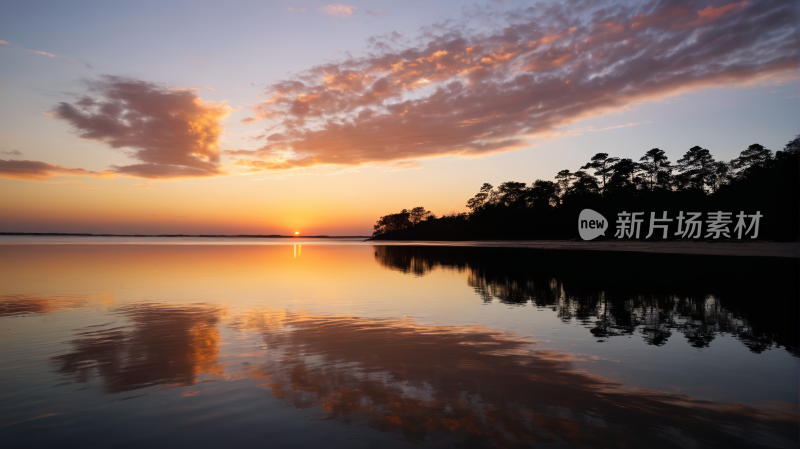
(249, 117)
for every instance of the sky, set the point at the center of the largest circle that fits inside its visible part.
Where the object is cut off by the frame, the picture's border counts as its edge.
(249, 117)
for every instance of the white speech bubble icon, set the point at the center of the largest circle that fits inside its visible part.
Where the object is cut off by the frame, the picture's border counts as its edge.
(591, 224)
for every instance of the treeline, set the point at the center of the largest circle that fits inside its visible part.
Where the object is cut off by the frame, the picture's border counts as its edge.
(757, 180)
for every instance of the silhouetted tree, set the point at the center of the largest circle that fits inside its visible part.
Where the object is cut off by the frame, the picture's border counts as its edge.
(603, 166)
(793, 146)
(624, 177)
(697, 168)
(584, 184)
(544, 193)
(655, 168)
(757, 180)
(722, 174)
(563, 180)
(755, 154)
(480, 198)
(418, 214)
(511, 194)
(392, 223)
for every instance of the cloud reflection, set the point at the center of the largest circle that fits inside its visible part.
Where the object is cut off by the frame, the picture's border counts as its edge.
(161, 345)
(482, 387)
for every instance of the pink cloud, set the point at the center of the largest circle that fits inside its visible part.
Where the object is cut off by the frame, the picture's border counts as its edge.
(338, 10)
(172, 132)
(476, 94)
(43, 53)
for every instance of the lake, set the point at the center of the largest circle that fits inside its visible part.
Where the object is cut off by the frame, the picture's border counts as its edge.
(114, 342)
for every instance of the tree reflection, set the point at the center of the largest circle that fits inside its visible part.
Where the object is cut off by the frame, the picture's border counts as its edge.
(482, 388)
(614, 294)
(161, 345)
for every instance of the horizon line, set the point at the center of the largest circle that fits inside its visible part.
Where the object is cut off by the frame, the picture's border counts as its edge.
(75, 234)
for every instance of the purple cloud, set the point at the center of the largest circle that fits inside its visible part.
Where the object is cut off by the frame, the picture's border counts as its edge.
(475, 94)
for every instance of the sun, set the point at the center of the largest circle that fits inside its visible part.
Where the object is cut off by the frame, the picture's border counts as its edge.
(297, 233)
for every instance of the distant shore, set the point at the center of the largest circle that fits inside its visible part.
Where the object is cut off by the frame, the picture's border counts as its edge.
(272, 236)
(756, 248)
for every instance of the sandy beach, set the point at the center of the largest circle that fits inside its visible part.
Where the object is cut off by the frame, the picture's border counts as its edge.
(721, 248)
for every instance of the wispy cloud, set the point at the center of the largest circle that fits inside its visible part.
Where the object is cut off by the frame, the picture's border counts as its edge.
(49, 55)
(289, 8)
(404, 165)
(472, 94)
(43, 53)
(33, 170)
(617, 126)
(11, 153)
(376, 12)
(338, 10)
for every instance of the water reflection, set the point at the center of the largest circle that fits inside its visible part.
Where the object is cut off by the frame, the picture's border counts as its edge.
(467, 385)
(476, 386)
(25, 304)
(614, 294)
(346, 362)
(155, 345)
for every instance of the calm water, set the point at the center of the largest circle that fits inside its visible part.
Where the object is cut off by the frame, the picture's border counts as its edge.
(349, 344)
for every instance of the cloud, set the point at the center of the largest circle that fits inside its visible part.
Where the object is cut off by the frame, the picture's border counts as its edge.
(456, 93)
(289, 8)
(11, 153)
(404, 165)
(43, 53)
(590, 129)
(31, 170)
(376, 12)
(338, 10)
(49, 55)
(618, 126)
(172, 132)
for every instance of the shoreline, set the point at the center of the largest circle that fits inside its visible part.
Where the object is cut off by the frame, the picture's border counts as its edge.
(722, 248)
(758, 248)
